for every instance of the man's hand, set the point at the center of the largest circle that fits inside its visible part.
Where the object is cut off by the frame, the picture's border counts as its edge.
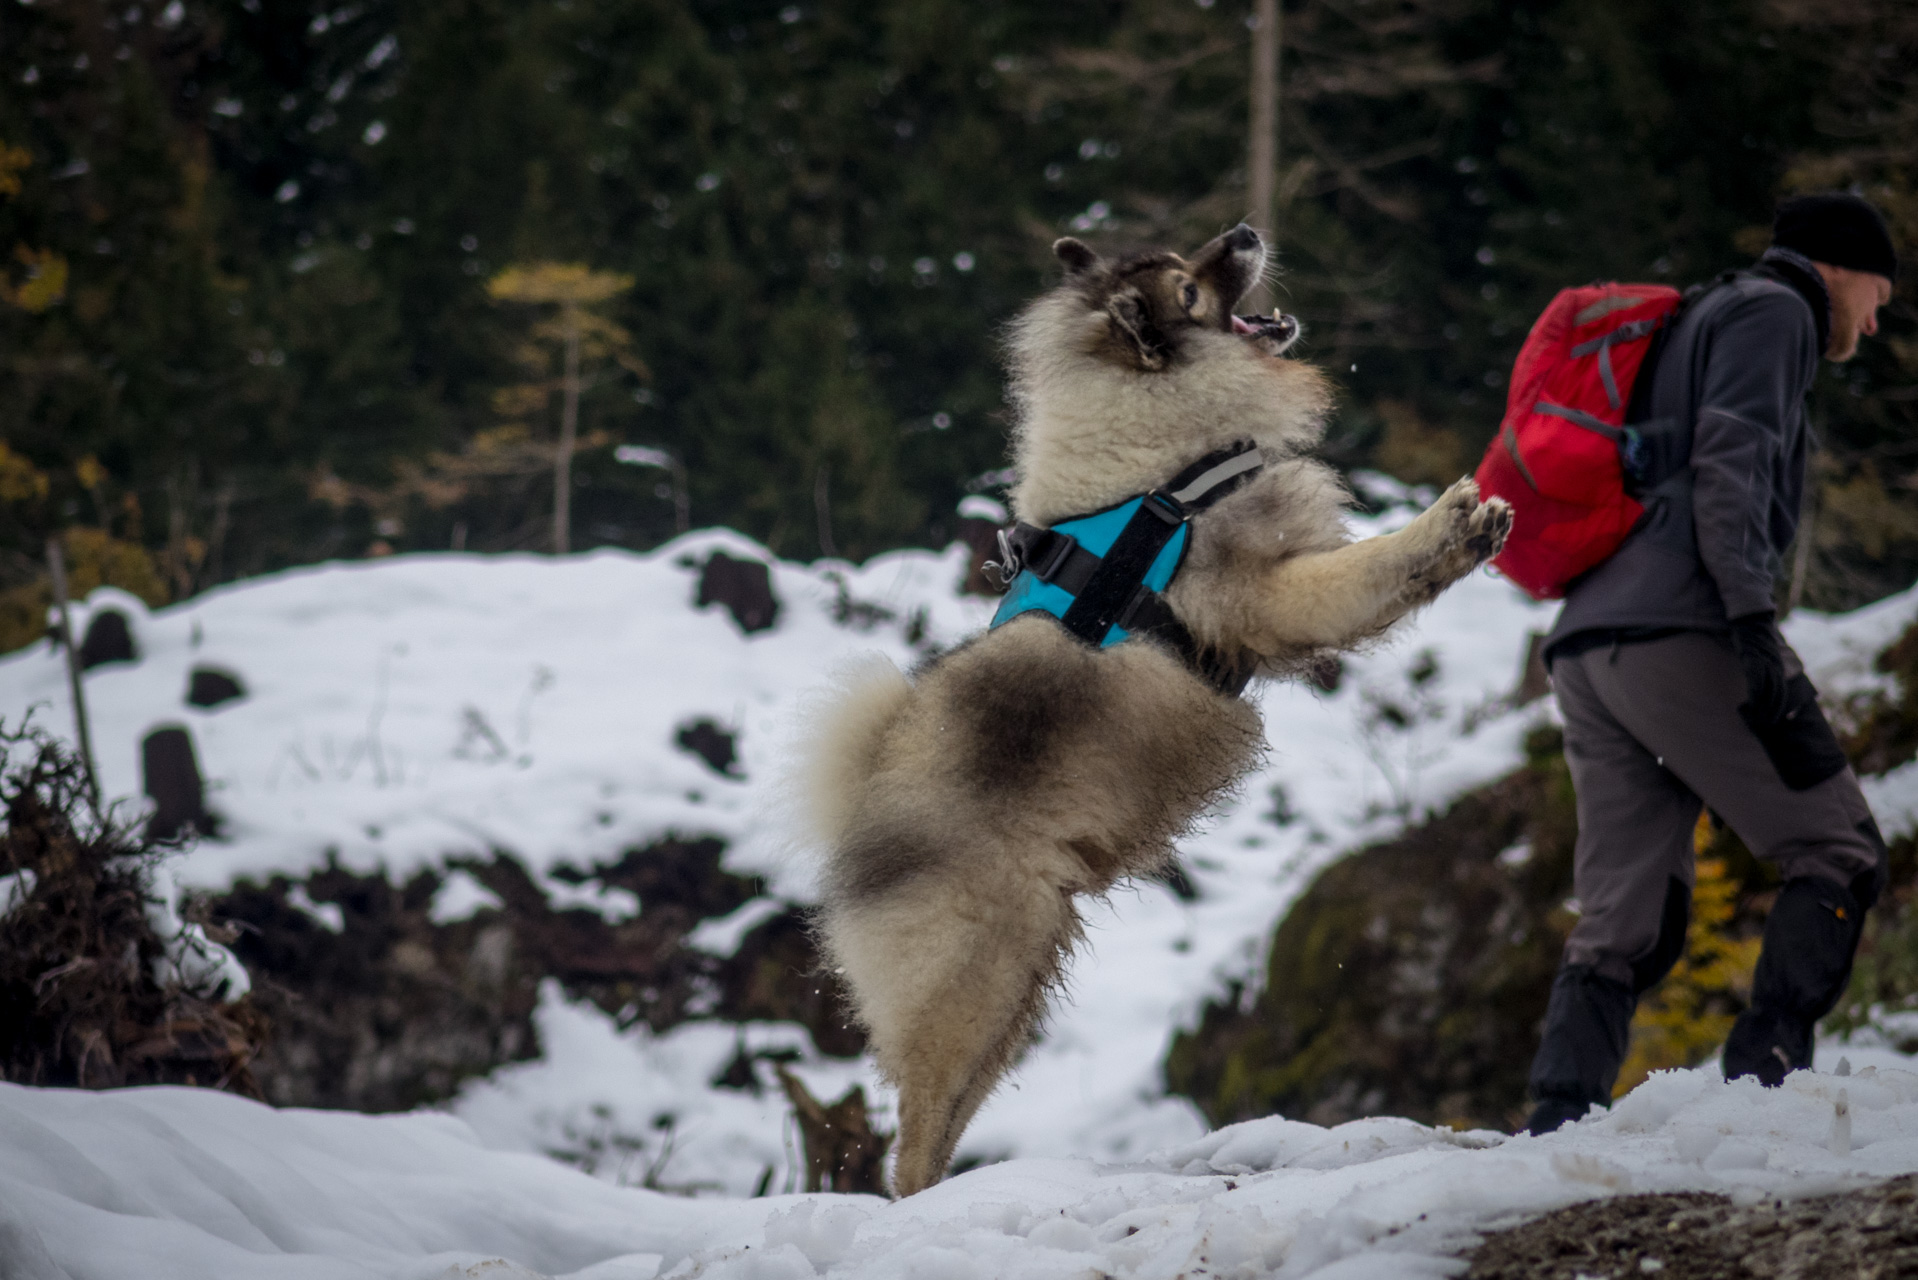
(1760, 651)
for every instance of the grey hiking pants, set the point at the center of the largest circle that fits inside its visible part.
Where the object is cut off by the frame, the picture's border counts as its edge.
(1651, 731)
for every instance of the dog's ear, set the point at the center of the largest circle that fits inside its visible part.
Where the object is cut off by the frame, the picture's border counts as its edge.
(1133, 330)
(1076, 254)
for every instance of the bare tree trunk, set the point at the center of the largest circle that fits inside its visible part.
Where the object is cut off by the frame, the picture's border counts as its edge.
(682, 498)
(215, 563)
(822, 509)
(183, 494)
(57, 570)
(568, 433)
(1263, 162)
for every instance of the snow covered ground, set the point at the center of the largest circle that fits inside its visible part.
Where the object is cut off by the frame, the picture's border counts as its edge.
(166, 1183)
(404, 711)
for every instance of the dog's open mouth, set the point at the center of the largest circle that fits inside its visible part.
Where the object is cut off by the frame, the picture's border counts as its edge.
(1273, 333)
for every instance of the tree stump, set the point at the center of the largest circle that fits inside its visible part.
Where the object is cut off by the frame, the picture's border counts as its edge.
(209, 687)
(842, 1152)
(173, 780)
(108, 639)
(718, 747)
(744, 587)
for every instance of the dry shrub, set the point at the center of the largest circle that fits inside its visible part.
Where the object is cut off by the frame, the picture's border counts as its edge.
(80, 1002)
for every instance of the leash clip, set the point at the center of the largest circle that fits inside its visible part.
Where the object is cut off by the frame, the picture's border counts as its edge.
(1007, 566)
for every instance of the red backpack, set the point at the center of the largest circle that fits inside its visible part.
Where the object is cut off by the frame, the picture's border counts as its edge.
(1560, 454)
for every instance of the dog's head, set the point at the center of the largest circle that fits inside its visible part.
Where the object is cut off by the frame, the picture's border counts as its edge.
(1153, 302)
(1135, 366)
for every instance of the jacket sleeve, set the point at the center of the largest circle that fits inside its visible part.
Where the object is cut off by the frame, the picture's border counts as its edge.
(1752, 385)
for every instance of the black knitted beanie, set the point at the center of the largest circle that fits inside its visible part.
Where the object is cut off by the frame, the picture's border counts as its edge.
(1838, 229)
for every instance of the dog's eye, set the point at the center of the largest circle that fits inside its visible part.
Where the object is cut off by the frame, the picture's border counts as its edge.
(1190, 295)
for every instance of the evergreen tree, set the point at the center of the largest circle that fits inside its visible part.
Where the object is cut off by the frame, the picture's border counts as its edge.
(277, 218)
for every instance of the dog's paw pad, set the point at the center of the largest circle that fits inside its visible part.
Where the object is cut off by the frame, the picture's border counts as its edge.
(1490, 525)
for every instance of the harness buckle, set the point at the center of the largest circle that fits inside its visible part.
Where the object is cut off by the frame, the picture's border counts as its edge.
(1057, 549)
(1164, 506)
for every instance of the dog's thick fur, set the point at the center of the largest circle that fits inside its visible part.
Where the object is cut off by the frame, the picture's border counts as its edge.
(963, 810)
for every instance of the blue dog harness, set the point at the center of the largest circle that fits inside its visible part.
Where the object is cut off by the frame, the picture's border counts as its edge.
(1103, 575)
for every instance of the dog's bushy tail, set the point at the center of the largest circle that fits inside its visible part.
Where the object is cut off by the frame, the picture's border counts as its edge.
(843, 739)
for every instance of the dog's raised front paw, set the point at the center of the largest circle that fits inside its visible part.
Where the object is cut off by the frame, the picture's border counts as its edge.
(1458, 502)
(1489, 524)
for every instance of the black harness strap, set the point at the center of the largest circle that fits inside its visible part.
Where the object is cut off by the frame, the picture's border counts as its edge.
(1121, 572)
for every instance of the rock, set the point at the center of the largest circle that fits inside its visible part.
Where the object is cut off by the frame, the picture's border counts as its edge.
(776, 976)
(172, 779)
(109, 639)
(1410, 978)
(391, 1012)
(716, 746)
(210, 686)
(395, 1010)
(1692, 1236)
(744, 587)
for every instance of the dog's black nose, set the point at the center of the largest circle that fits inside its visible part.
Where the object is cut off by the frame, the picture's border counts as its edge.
(1241, 239)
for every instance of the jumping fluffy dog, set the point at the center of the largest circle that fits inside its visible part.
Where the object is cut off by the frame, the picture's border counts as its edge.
(964, 809)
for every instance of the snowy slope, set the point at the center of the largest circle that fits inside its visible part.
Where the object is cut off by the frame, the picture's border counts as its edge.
(403, 711)
(165, 1183)
(357, 740)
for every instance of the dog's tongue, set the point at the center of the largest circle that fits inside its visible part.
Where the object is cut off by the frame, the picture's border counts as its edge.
(1240, 326)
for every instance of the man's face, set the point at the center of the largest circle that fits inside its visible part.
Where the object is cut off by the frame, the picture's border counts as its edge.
(1855, 299)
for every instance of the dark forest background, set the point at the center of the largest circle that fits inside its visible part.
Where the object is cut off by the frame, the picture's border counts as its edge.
(244, 247)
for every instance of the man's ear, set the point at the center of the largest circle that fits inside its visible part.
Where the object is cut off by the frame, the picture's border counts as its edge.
(1076, 254)
(1133, 330)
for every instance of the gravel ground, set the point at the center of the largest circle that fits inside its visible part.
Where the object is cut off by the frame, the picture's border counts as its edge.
(1870, 1234)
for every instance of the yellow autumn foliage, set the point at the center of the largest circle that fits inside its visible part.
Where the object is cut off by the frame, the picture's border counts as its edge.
(1683, 1019)
(45, 283)
(95, 558)
(569, 283)
(12, 161)
(20, 480)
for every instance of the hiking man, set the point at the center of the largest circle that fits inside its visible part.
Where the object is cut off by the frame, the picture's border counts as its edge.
(1677, 689)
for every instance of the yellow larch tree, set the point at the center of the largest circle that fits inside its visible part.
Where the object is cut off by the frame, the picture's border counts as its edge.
(570, 295)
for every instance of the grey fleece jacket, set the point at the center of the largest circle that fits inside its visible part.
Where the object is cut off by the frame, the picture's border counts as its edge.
(1727, 428)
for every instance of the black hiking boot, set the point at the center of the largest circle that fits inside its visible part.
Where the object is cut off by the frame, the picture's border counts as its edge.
(1553, 1113)
(1803, 967)
(1587, 1027)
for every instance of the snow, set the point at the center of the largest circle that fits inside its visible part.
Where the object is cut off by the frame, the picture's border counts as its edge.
(165, 1182)
(410, 711)
(14, 890)
(188, 958)
(403, 712)
(459, 897)
(638, 1107)
(722, 935)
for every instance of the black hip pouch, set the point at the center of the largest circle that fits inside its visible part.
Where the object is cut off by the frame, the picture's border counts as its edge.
(1801, 745)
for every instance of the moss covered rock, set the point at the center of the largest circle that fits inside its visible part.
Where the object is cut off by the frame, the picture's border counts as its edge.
(1411, 977)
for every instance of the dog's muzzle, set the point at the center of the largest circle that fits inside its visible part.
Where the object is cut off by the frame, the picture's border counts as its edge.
(1275, 332)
